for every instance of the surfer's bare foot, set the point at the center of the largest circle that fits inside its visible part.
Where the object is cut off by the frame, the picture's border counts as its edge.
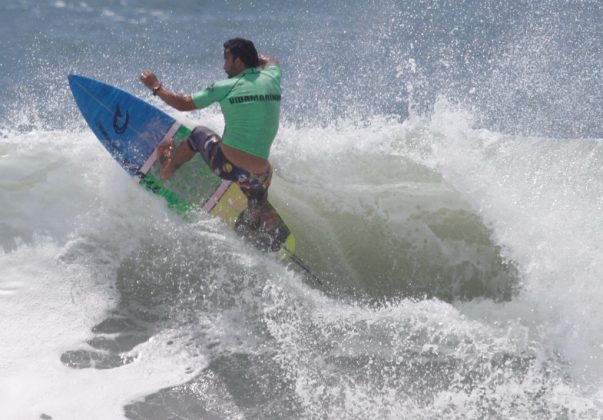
(165, 154)
(269, 220)
(263, 227)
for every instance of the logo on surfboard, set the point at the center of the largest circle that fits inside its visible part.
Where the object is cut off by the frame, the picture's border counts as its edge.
(120, 129)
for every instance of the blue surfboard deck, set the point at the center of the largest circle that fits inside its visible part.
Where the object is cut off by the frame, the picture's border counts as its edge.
(131, 129)
(128, 127)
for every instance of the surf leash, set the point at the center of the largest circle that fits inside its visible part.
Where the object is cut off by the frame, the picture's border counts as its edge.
(301, 264)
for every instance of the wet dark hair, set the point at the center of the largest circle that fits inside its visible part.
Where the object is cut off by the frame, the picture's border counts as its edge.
(243, 49)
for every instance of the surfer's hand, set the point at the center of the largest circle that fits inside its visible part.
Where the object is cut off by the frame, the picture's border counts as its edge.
(149, 79)
(266, 60)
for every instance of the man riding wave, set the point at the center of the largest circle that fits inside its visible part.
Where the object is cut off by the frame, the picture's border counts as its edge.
(250, 102)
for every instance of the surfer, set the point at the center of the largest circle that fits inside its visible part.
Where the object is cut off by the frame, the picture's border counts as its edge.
(250, 101)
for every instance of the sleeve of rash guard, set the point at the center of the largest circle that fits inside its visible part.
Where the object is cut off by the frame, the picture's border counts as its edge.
(274, 71)
(211, 94)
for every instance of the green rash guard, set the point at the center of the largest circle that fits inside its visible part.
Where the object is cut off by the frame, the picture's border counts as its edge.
(251, 104)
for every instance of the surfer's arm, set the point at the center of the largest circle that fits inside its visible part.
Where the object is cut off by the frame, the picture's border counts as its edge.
(179, 101)
(269, 65)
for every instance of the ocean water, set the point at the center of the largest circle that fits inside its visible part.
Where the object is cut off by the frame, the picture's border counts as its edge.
(441, 163)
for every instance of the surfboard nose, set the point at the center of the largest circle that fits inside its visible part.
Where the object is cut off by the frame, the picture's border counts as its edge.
(72, 78)
(75, 84)
(76, 81)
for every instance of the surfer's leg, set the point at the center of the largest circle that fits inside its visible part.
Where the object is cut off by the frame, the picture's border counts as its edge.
(199, 141)
(260, 222)
(255, 188)
(206, 142)
(259, 214)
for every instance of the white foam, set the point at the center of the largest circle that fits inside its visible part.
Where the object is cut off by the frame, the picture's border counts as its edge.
(69, 224)
(51, 309)
(543, 199)
(548, 222)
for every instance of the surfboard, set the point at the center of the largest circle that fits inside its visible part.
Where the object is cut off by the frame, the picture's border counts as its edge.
(131, 129)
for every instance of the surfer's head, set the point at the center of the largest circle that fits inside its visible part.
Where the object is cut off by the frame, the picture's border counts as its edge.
(239, 54)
